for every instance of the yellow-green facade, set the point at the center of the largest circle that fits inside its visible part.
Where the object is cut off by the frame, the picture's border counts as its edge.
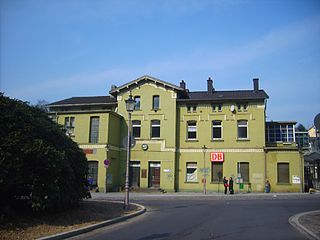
(166, 161)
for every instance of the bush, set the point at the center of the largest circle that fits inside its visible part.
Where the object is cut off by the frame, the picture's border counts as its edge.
(40, 167)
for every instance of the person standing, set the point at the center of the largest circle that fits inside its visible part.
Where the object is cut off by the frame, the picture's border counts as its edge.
(225, 184)
(231, 185)
(267, 186)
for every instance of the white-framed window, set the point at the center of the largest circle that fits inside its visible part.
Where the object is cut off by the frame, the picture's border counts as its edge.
(191, 130)
(136, 128)
(94, 130)
(219, 107)
(242, 129)
(216, 130)
(279, 132)
(137, 99)
(192, 175)
(155, 128)
(155, 102)
(283, 173)
(69, 125)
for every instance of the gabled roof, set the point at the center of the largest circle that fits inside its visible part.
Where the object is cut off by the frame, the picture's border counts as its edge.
(142, 80)
(77, 101)
(245, 95)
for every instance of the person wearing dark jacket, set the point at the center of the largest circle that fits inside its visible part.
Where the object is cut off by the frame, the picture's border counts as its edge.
(225, 184)
(231, 185)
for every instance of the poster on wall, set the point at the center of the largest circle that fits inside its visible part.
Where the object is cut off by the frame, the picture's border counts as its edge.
(109, 179)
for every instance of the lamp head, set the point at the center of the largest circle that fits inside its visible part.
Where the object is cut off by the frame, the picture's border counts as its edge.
(130, 102)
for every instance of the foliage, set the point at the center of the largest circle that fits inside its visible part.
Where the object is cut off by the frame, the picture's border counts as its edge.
(301, 128)
(40, 167)
(42, 104)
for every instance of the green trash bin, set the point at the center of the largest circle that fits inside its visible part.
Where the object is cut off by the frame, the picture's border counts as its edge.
(241, 186)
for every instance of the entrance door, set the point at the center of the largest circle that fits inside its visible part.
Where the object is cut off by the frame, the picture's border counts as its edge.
(154, 174)
(134, 174)
(93, 174)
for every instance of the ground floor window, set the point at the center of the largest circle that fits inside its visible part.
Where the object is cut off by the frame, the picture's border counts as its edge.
(283, 172)
(191, 172)
(93, 173)
(134, 174)
(243, 171)
(216, 171)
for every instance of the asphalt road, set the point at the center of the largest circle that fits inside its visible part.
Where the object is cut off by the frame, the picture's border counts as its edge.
(206, 218)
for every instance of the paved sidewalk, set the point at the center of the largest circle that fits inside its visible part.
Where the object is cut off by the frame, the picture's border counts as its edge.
(308, 223)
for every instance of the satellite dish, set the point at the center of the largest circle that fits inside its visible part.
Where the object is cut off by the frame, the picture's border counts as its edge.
(125, 141)
(317, 121)
(232, 108)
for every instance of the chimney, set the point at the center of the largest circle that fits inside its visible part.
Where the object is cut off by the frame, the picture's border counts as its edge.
(256, 84)
(210, 85)
(183, 84)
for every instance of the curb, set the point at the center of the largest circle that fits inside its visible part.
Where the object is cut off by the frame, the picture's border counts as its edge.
(294, 221)
(89, 228)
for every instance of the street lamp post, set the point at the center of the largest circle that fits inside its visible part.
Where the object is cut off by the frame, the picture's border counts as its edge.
(130, 107)
(204, 149)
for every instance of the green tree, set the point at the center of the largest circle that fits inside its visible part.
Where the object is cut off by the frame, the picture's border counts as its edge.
(301, 128)
(40, 167)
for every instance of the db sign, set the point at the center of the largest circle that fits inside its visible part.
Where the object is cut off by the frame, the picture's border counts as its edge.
(217, 157)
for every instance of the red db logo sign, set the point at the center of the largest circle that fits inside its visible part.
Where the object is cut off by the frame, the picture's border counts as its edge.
(217, 157)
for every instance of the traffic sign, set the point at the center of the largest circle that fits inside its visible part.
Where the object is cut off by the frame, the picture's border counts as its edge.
(106, 163)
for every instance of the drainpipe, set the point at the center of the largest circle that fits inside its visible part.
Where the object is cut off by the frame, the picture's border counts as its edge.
(265, 168)
(301, 171)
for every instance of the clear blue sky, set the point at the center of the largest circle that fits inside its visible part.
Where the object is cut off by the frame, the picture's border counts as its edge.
(53, 50)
